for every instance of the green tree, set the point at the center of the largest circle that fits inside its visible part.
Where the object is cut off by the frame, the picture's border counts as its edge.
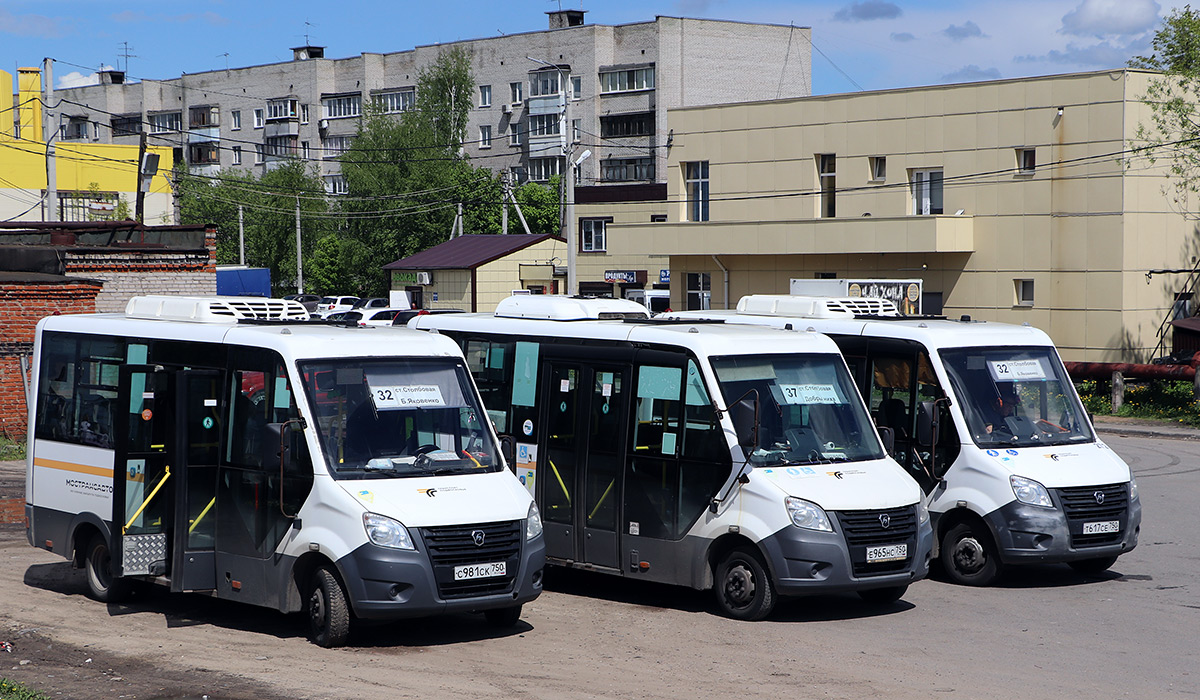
(1172, 133)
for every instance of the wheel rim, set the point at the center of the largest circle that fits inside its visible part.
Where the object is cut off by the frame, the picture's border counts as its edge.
(969, 556)
(739, 586)
(316, 610)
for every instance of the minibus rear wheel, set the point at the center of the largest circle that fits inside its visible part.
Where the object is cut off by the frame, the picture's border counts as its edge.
(968, 555)
(102, 585)
(743, 587)
(328, 613)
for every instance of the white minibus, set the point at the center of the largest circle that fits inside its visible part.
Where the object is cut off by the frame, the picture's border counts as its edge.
(717, 457)
(986, 419)
(231, 447)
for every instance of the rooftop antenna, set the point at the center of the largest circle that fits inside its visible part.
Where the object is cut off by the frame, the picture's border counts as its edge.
(307, 25)
(126, 55)
(226, 55)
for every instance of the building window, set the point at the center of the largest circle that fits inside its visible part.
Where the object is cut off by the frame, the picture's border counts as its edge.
(627, 169)
(658, 218)
(336, 184)
(1023, 292)
(203, 117)
(259, 119)
(170, 121)
(126, 126)
(396, 102)
(542, 169)
(282, 109)
(576, 87)
(235, 120)
(87, 206)
(237, 155)
(545, 124)
(485, 136)
(304, 150)
(699, 291)
(516, 92)
(344, 106)
(627, 80)
(334, 146)
(258, 154)
(303, 114)
(514, 133)
(204, 153)
(591, 235)
(878, 168)
(1026, 161)
(827, 179)
(618, 125)
(280, 146)
(485, 95)
(543, 82)
(576, 130)
(695, 181)
(927, 192)
(75, 129)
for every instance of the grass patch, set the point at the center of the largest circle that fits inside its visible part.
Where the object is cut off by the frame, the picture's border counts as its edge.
(11, 449)
(1168, 401)
(11, 690)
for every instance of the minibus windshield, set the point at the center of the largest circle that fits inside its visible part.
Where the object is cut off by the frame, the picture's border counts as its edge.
(808, 409)
(1016, 396)
(397, 417)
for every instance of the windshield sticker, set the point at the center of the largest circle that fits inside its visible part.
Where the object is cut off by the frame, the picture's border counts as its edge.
(1056, 456)
(810, 394)
(843, 473)
(407, 396)
(1017, 370)
(527, 465)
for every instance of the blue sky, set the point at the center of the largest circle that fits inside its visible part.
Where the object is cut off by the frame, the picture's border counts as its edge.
(858, 44)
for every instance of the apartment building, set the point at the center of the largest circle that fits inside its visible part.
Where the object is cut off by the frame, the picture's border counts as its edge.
(571, 88)
(1013, 200)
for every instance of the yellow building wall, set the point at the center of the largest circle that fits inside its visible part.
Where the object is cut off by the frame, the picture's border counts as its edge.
(498, 279)
(590, 267)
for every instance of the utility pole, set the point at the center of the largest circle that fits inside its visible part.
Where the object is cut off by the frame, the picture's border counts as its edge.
(568, 196)
(241, 238)
(504, 202)
(139, 209)
(299, 262)
(49, 130)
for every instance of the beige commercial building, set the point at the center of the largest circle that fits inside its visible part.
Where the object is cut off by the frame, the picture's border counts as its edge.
(1012, 200)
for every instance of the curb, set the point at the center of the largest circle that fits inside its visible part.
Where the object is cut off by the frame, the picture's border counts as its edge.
(1146, 431)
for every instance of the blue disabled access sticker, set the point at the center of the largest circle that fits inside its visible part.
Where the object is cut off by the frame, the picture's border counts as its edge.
(993, 453)
(1012, 452)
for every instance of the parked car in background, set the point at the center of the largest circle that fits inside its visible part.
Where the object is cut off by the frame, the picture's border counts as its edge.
(328, 305)
(371, 303)
(379, 317)
(309, 301)
(406, 315)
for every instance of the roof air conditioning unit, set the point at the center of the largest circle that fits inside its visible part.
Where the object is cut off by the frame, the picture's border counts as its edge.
(424, 278)
(507, 109)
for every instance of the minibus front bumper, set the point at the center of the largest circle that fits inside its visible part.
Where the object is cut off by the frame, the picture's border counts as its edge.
(1028, 534)
(384, 583)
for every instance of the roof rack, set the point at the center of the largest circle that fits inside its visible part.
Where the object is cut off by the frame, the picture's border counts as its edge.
(214, 309)
(557, 307)
(815, 307)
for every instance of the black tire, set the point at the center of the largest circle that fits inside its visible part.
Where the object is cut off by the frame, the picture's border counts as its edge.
(743, 586)
(503, 617)
(102, 585)
(1093, 567)
(968, 556)
(328, 613)
(883, 596)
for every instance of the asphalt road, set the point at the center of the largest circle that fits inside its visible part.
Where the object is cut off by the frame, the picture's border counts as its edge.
(1046, 632)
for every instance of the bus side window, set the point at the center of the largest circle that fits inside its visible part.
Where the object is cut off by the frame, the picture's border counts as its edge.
(77, 389)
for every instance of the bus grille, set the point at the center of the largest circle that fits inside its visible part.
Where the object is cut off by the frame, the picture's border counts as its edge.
(864, 528)
(454, 545)
(1082, 505)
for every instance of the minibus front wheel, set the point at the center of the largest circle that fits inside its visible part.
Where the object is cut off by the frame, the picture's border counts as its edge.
(968, 555)
(328, 612)
(743, 585)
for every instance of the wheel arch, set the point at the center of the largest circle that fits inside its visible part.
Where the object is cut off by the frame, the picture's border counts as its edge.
(724, 545)
(302, 571)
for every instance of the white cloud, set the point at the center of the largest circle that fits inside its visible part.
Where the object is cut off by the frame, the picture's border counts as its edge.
(903, 36)
(76, 79)
(38, 26)
(971, 73)
(1111, 17)
(968, 30)
(1101, 55)
(868, 10)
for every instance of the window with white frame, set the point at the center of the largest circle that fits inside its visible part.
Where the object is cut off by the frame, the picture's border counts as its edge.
(695, 185)
(235, 120)
(878, 168)
(396, 101)
(76, 128)
(544, 124)
(1026, 161)
(334, 146)
(514, 133)
(516, 93)
(280, 146)
(542, 169)
(303, 114)
(485, 136)
(304, 150)
(259, 156)
(283, 109)
(169, 121)
(259, 119)
(336, 184)
(485, 95)
(591, 235)
(627, 169)
(543, 82)
(237, 155)
(627, 80)
(576, 87)
(1022, 292)
(342, 106)
(699, 291)
(926, 192)
(576, 130)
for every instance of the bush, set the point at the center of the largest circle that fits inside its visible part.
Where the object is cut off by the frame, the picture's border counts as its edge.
(1153, 399)
(11, 690)
(11, 449)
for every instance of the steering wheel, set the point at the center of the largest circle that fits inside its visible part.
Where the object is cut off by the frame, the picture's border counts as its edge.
(422, 454)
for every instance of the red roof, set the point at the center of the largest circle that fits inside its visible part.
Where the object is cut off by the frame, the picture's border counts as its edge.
(468, 252)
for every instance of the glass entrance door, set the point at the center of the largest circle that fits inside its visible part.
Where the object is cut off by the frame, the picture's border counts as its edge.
(142, 490)
(198, 435)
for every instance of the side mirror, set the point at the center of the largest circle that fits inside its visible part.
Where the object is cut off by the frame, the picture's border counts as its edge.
(508, 448)
(744, 415)
(926, 423)
(888, 435)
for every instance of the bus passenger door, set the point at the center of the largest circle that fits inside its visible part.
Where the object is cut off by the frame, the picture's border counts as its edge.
(197, 432)
(144, 471)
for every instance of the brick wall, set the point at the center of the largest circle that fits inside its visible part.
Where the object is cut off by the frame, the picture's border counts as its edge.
(12, 510)
(22, 305)
(129, 273)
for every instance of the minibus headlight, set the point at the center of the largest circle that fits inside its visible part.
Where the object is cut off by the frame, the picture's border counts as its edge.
(807, 515)
(386, 532)
(1133, 494)
(533, 522)
(1030, 492)
(922, 511)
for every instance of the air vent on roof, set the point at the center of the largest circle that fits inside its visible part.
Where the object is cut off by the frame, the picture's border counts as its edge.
(563, 308)
(815, 307)
(214, 309)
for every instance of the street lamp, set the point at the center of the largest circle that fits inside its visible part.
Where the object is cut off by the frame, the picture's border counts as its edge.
(569, 186)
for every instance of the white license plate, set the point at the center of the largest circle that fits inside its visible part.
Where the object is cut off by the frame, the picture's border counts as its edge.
(470, 571)
(890, 552)
(1104, 528)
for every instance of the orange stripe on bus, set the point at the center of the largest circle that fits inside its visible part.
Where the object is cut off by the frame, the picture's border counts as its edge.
(73, 467)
